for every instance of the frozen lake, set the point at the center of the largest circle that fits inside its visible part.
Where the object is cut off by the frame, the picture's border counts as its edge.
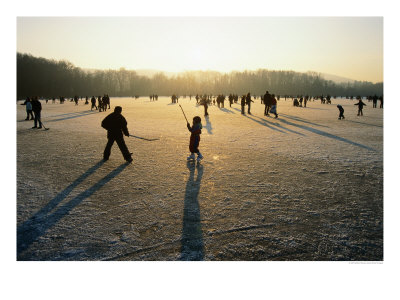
(305, 186)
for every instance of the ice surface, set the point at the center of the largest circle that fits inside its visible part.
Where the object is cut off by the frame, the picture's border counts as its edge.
(305, 186)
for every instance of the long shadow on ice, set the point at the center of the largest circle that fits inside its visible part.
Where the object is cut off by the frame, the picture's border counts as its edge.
(325, 134)
(77, 113)
(192, 247)
(364, 123)
(301, 120)
(268, 124)
(35, 227)
(208, 125)
(226, 110)
(73, 116)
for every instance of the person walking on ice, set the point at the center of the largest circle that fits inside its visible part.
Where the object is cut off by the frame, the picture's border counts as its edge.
(360, 107)
(93, 100)
(116, 127)
(341, 111)
(195, 130)
(273, 106)
(37, 108)
(248, 103)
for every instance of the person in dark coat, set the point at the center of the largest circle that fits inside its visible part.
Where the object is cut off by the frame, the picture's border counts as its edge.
(93, 100)
(100, 103)
(37, 108)
(108, 101)
(230, 98)
(267, 103)
(243, 103)
(203, 102)
(341, 111)
(374, 101)
(116, 127)
(360, 107)
(273, 106)
(248, 102)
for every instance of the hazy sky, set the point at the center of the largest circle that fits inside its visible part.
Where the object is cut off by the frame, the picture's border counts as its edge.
(351, 47)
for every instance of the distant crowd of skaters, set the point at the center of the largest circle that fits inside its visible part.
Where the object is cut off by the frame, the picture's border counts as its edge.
(270, 102)
(102, 103)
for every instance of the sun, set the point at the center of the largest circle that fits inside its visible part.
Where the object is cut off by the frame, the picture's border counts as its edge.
(196, 59)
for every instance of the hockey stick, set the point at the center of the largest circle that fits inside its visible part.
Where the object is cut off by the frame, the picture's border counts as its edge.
(142, 138)
(184, 113)
(45, 127)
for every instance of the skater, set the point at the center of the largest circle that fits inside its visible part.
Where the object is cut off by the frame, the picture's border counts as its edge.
(341, 111)
(381, 101)
(230, 98)
(267, 103)
(203, 102)
(195, 139)
(104, 102)
(93, 100)
(28, 104)
(360, 107)
(328, 99)
(243, 103)
(374, 101)
(273, 106)
(116, 127)
(108, 101)
(37, 108)
(99, 103)
(248, 102)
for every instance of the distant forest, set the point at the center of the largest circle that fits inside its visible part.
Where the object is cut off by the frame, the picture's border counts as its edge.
(50, 78)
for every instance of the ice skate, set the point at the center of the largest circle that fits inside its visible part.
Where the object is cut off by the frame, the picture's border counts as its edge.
(199, 157)
(191, 157)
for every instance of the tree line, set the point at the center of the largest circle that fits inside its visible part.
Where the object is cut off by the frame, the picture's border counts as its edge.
(50, 78)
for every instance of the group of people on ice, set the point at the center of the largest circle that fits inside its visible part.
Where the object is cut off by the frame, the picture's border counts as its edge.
(33, 111)
(102, 103)
(116, 124)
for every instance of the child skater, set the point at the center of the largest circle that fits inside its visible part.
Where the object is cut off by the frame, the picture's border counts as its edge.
(195, 138)
(341, 111)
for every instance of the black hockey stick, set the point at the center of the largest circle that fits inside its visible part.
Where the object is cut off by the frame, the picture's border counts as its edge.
(45, 127)
(184, 113)
(142, 138)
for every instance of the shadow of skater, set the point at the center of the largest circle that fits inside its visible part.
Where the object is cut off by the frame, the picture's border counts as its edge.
(73, 116)
(325, 134)
(192, 247)
(226, 110)
(35, 227)
(208, 125)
